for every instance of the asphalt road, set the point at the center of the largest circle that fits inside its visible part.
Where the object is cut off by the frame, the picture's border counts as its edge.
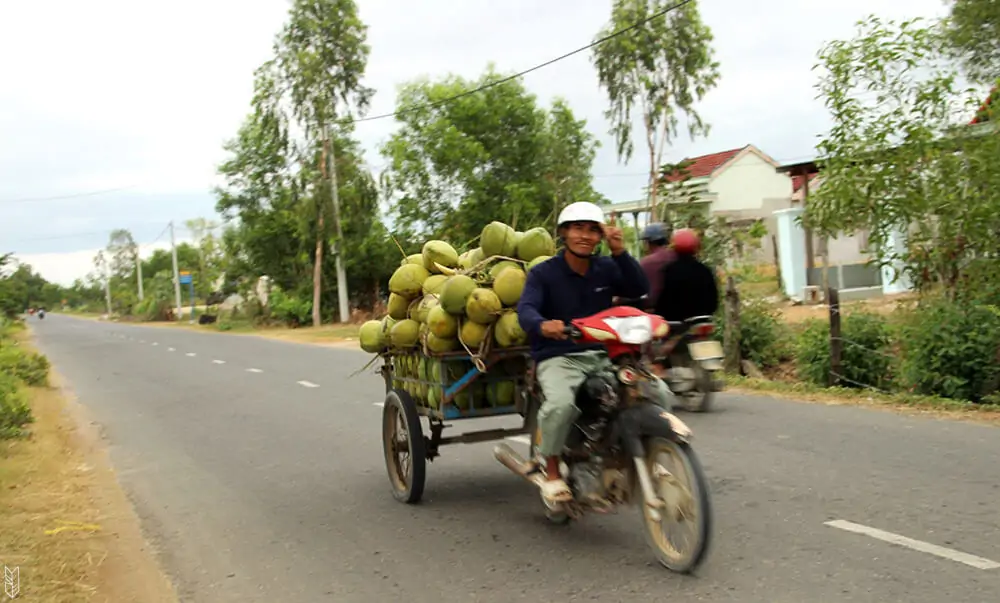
(269, 484)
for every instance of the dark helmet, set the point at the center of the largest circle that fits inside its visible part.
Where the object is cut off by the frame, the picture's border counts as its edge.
(686, 241)
(656, 233)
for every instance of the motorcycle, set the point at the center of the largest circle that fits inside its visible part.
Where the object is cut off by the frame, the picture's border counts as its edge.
(41, 314)
(620, 449)
(693, 362)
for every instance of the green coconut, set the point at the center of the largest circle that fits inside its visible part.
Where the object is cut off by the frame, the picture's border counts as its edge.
(508, 286)
(399, 306)
(426, 304)
(408, 280)
(434, 284)
(439, 345)
(472, 334)
(370, 336)
(470, 258)
(508, 332)
(416, 258)
(439, 252)
(535, 243)
(405, 333)
(501, 266)
(483, 306)
(538, 261)
(434, 396)
(500, 394)
(498, 239)
(441, 324)
(388, 323)
(476, 256)
(455, 293)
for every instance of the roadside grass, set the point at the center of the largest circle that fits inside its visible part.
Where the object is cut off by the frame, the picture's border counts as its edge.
(64, 523)
(903, 402)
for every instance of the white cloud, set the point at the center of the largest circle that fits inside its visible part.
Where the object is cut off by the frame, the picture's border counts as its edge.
(64, 268)
(117, 93)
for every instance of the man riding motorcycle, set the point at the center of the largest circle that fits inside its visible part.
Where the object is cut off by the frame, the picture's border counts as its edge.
(658, 255)
(691, 286)
(573, 284)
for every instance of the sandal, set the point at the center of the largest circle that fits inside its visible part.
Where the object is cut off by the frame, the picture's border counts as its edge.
(556, 491)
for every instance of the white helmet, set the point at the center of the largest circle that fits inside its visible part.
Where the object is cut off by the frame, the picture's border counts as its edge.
(581, 211)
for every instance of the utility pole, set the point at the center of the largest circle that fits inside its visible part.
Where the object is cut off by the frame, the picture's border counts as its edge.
(177, 276)
(339, 248)
(107, 286)
(138, 269)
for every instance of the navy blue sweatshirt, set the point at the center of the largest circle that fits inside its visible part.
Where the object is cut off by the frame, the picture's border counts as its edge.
(554, 292)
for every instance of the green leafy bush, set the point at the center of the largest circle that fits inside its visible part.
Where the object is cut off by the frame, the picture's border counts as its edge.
(950, 349)
(763, 335)
(14, 410)
(30, 367)
(289, 308)
(866, 352)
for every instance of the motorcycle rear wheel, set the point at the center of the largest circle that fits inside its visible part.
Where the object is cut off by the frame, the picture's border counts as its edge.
(695, 505)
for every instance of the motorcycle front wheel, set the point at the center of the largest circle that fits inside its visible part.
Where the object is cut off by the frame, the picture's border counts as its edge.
(680, 481)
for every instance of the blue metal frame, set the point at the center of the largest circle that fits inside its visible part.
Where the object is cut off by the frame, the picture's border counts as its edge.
(447, 410)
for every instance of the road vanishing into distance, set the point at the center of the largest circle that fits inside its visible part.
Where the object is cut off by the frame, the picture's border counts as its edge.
(257, 472)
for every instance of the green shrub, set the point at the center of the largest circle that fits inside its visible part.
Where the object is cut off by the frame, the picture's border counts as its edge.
(865, 352)
(763, 335)
(950, 349)
(14, 410)
(30, 367)
(289, 308)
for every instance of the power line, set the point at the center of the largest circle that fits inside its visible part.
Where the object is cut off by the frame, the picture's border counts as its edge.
(527, 71)
(72, 196)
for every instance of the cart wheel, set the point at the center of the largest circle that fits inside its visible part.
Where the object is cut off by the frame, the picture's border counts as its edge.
(404, 446)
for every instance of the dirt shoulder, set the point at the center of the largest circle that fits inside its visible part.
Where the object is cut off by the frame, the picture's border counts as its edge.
(67, 525)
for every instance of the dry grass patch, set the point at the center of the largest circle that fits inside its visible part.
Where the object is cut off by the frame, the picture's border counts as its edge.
(64, 522)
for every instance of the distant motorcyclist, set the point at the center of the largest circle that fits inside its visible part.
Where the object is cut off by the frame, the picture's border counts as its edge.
(658, 254)
(690, 288)
(573, 284)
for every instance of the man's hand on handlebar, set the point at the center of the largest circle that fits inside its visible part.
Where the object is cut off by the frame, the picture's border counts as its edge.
(554, 329)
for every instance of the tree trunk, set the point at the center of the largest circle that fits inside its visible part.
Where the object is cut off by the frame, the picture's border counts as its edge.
(320, 233)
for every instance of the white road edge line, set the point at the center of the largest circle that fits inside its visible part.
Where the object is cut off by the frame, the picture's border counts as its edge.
(307, 384)
(916, 545)
(254, 370)
(218, 362)
(191, 354)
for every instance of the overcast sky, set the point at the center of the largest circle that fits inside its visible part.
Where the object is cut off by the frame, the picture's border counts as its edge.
(122, 96)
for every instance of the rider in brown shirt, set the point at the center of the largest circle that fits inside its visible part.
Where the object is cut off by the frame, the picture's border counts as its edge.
(658, 255)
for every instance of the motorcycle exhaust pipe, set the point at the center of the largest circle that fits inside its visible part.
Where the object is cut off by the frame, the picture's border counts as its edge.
(510, 459)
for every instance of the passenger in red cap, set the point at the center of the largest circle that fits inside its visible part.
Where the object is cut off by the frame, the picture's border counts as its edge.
(689, 287)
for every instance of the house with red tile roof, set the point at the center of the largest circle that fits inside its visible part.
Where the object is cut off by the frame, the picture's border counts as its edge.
(738, 183)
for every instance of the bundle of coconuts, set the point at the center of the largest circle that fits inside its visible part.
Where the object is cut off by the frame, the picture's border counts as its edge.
(442, 301)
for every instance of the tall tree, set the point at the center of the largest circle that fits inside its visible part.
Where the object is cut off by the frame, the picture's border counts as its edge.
(665, 66)
(489, 155)
(899, 157)
(974, 38)
(321, 60)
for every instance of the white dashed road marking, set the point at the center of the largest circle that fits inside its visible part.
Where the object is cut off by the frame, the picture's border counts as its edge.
(379, 404)
(191, 354)
(916, 545)
(307, 384)
(218, 362)
(155, 343)
(170, 349)
(523, 439)
(254, 370)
